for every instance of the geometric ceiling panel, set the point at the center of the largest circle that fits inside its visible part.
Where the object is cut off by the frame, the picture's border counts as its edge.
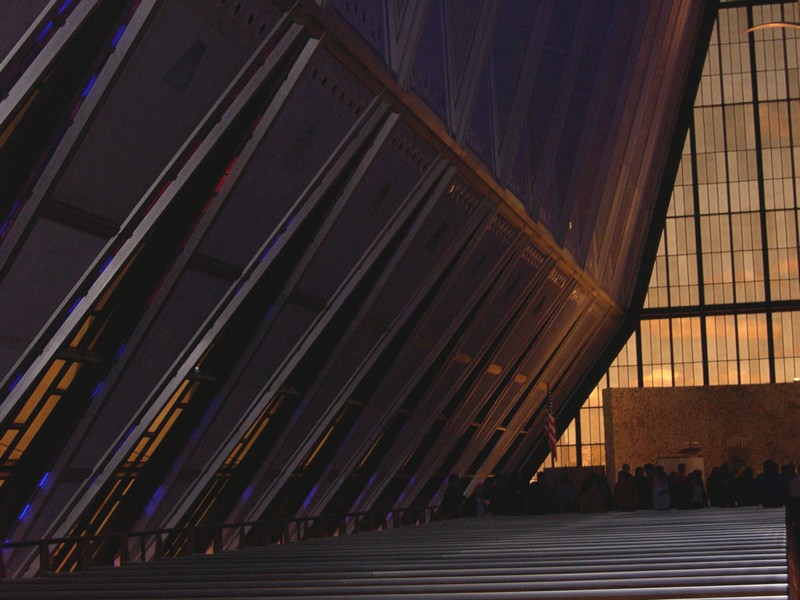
(179, 67)
(368, 20)
(323, 104)
(254, 271)
(13, 26)
(428, 76)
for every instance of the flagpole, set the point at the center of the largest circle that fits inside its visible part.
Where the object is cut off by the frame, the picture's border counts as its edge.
(551, 425)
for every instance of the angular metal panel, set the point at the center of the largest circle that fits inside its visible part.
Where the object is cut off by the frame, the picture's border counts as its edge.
(503, 312)
(487, 264)
(141, 102)
(17, 17)
(114, 416)
(480, 136)
(449, 218)
(404, 19)
(191, 301)
(322, 400)
(612, 82)
(290, 325)
(317, 114)
(514, 27)
(375, 416)
(415, 254)
(462, 21)
(43, 272)
(393, 172)
(80, 262)
(519, 177)
(429, 76)
(335, 296)
(30, 61)
(368, 19)
(448, 227)
(567, 81)
(506, 401)
(586, 322)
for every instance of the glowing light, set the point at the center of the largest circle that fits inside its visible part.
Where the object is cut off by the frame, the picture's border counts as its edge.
(24, 512)
(75, 304)
(89, 85)
(44, 31)
(106, 262)
(311, 494)
(15, 381)
(124, 439)
(195, 436)
(151, 506)
(117, 35)
(44, 479)
(225, 176)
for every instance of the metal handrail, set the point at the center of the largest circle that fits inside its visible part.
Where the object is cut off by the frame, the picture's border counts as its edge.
(793, 559)
(155, 544)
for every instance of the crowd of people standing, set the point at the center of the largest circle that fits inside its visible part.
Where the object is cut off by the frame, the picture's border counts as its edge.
(646, 487)
(727, 486)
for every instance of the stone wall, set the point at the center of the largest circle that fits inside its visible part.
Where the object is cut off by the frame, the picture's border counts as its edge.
(749, 423)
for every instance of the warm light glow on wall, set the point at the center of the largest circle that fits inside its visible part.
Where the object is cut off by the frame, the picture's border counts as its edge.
(730, 244)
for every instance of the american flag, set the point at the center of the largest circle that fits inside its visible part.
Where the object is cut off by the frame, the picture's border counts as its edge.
(550, 424)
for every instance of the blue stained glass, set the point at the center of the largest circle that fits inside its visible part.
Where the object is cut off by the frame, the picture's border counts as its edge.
(89, 86)
(44, 31)
(117, 35)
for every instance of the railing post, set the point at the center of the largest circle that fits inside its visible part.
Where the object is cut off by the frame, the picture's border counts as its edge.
(158, 552)
(287, 531)
(124, 551)
(261, 534)
(191, 542)
(82, 555)
(217, 545)
(44, 557)
(791, 554)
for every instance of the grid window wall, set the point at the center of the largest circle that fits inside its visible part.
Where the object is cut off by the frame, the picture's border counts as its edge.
(583, 442)
(592, 430)
(687, 351)
(624, 371)
(658, 291)
(786, 333)
(567, 449)
(656, 353)
(723, 306)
